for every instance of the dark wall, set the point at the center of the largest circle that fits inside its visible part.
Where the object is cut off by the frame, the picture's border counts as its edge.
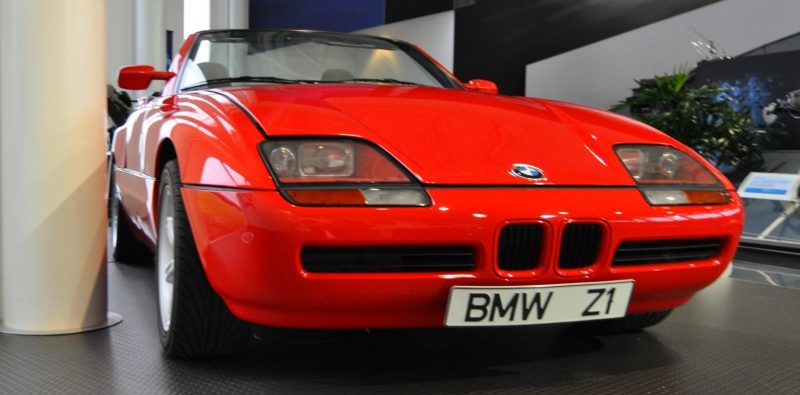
(339, 15)
(400, 10)
(495, 39)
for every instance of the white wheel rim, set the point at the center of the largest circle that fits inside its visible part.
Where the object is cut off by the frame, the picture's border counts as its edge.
(166, 256)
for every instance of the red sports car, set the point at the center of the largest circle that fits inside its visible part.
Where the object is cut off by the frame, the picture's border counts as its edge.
(322, 180)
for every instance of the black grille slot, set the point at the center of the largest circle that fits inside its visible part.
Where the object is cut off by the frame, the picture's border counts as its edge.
(387, 259)
(580, 244)
(520, 247)
(666, 251)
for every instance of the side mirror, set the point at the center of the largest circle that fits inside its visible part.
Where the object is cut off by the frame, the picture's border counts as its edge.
(482, 86)
(140, 76)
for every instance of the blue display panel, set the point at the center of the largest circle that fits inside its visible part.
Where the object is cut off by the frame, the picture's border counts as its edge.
(772, 212)
(771, 186)
(340, 15)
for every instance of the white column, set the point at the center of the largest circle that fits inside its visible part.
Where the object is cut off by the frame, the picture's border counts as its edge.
(150, 39)
(52, 166)
(229, 14)
(151, 33)
(238, 14)
(119, 37)
(219, 14)
(173, 20)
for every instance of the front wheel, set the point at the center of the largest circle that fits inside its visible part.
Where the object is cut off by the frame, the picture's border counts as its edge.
(193, 320)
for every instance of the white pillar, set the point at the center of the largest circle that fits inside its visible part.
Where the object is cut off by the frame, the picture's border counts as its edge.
(238, 14)
(151, 33)
(229, 14)
(52, 166)
(173, 20)
(120, 22)
(150, 39)
(219, 14)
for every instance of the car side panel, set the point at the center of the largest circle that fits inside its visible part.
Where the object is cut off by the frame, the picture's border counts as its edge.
(215, 142)
(136, 190)
(133, 186)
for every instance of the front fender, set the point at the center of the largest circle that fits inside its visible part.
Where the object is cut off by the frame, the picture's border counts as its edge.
(215, 141)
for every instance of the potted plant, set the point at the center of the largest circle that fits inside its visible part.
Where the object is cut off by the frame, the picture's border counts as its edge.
(699, 117)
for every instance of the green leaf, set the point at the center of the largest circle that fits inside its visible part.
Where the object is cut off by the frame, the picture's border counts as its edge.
(696, 117)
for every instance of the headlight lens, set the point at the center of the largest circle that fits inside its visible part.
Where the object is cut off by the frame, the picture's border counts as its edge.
(299, 161)
(282, 160)
(667, 176)
(323, 159)
(340, 172)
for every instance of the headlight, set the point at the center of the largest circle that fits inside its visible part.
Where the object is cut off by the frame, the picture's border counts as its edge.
(667, 176)
(340, 172)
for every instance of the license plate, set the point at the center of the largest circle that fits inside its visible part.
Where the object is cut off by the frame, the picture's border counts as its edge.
(538, 304)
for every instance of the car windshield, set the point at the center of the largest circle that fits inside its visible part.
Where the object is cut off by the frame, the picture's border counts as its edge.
(282, 57)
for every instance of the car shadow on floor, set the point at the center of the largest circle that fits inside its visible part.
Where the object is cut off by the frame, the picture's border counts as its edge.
(490, 359)
(426, 360)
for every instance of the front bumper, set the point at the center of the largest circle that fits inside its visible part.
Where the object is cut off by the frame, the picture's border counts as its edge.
(250, 244)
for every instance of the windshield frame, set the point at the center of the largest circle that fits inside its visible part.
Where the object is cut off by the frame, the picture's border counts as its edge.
(429, 65)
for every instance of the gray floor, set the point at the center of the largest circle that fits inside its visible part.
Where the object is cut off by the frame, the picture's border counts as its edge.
(734, 337)
(767, 274)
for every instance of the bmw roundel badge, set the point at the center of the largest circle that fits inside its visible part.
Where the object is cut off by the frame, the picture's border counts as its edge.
(526, 171)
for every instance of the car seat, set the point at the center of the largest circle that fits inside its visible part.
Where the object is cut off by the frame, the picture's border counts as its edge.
(336, 75)
(213, 70)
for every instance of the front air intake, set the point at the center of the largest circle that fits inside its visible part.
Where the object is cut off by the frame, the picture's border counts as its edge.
(520, 247)
(666, 251)
(580, 245)
(391, 259)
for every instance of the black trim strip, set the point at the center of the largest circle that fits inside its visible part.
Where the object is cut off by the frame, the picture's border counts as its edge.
(317, 186)
(134, 173)
(388, 259)
(517, 186)
(683, 187)
(644, 252)
(223, 188)
(313, 186)
(402, 10)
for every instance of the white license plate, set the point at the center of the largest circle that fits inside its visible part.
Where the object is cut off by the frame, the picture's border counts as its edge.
(538, 304)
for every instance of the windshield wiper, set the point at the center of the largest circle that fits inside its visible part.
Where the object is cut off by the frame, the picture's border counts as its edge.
(247, 78)
(380, 80)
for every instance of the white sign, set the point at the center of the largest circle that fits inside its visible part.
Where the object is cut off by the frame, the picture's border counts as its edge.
(771, 186)
(537, 304)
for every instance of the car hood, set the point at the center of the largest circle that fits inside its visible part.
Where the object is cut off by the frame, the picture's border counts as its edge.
(453, 137)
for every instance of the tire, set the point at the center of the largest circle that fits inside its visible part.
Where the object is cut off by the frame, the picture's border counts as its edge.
(193, 321)
(627, 324)
(122, 244)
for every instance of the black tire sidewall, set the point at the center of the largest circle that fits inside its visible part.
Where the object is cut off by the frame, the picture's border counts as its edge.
(167, 180)
(117, 250)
